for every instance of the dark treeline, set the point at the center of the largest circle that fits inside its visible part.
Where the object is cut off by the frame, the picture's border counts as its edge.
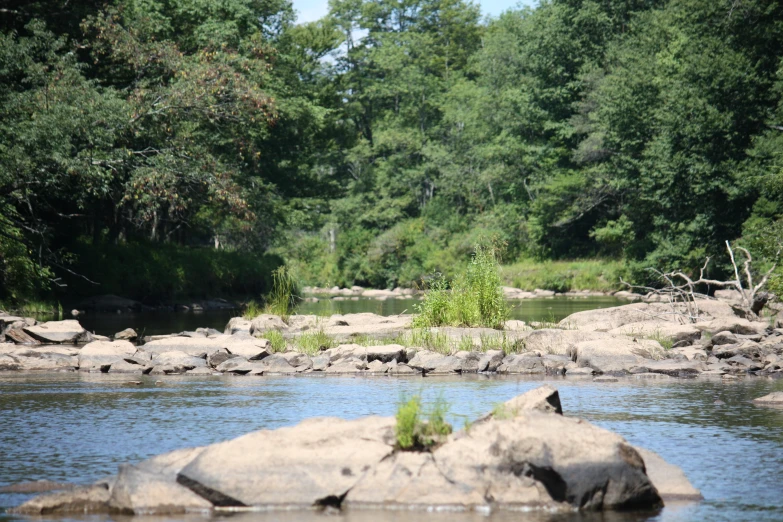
(380, 143)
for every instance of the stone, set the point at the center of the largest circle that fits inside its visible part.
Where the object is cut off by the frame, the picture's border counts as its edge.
(410, 480)
(215, 359)
(41, 359)
(608, 319)
(88, 499)
(348, 365)
(545, 399)
(538, 459)
(37, 486)
(490, 361)
(446, 365)
(743, 362)
(296, 359)
(724, 337)
(617, 355)
(128, 334)
(426, 360)
(58, 332)
(195, 346)
(99, 354)
(180, 361)
(265, 322)
(276, 364)
(580, 371)
(238, 325)
(668, 479)
(676, 333)
(524, 363)
(8, 363)
(254, 350)
(748, 349)
(676, 368)
(313, 463)
(651, 376)
(690, 353)
(403, 369)
(241, 366)
(558, 341)
(19, 336)
(320, 363)
(732, 324)
(150, 488)
(772, 398)
(124, 366)
(377, 366)
(386, 353)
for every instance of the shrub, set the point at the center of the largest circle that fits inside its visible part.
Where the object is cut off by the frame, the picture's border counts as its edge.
(476, 297)
(282, 299)
(414, 433)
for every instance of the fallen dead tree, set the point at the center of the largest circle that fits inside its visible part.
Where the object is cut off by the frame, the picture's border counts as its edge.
(682, 291)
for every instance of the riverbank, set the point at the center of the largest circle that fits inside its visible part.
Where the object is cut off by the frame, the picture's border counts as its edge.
(640, 340)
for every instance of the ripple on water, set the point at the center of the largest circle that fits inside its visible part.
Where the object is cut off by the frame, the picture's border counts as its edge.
(78, 427)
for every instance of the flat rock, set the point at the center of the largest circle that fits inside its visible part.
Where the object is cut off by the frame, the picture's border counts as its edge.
(658, 330)
(304, 465)
(617, 355)
(544, 399)
(265, 322)
(523, 364)
(668, 479)
(31, 359)
(68, 331)
(238, 325)
(676, 368)
(772, 398)
(426, 360)
(99, 354)
(89, 499)
(181, 361)
(558, 341)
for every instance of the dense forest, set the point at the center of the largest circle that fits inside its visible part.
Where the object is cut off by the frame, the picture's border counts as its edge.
(157, 148)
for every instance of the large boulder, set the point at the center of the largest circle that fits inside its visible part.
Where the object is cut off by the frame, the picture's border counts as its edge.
(668, 479)
(315, 462)
(87, 499)
(558, 341)
(265, 322)
(150, 487)
(179, 361)
(57, 332)
(618, 355)
(100, 355)
(33, 359)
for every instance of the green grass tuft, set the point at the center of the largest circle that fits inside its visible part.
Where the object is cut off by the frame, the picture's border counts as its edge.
(407, 420)
(312, 343)
(415, 433)
(276, 339)
(475, 299)
(282, 299)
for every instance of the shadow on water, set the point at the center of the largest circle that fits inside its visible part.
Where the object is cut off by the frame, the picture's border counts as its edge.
(78, 427)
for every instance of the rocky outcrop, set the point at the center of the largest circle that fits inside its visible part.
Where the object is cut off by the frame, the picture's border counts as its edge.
(530, 458)
(772, 398)
(101, 355)
(59, 332)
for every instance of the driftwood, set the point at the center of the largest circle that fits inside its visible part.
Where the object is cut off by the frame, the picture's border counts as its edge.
(681, 290)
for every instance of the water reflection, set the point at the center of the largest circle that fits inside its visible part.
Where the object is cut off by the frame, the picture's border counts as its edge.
(78, 427)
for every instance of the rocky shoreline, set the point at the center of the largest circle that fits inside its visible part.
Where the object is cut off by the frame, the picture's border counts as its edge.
(526, 455)
(639, 340)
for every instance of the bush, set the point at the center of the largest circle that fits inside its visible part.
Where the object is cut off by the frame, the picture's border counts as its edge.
(414, 433)
(476, 297)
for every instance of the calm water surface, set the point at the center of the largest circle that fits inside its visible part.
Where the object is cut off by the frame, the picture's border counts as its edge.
(154, 323)
(78, 427)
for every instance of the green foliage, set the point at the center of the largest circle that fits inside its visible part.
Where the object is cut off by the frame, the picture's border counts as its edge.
(282, 299)
(312, 343)
(278, 342)
(416, 433)
(475, 299)
(252, 310)
(562, 276)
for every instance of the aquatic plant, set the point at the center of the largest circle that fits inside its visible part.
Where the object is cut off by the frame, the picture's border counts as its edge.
(275, 337)
(312, 343)
(282, 299)
(413, 432)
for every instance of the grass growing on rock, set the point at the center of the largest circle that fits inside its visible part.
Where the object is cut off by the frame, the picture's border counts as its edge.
(282, 299)
(475, 298)
(277, 340)
(413, 432)
(312, 343)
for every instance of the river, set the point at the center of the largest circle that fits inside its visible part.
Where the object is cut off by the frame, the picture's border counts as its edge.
(78, 427)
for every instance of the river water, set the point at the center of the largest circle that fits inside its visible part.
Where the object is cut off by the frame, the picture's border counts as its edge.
(155, 323)
(78, 427)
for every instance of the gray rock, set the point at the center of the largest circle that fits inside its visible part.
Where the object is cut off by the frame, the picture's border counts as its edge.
(672, 368)
(100, 354)
(490, 361)
(128, 334)
(312, 463)
(724, 337)
(579, 371)
(668, 479)
(544, 399)
(377, 367)
(744, 363)
(254, 350)
(88, 499)
(447, 365)
(238, 325)
(276, 364)
(320, 363)
(8, 363)
(523, 364)
(772, 398)
(265, 322)
(40, 359)
(215, 359)
(403, 369)
(180, 361)
(615, 355)
(425, 360)
(141, 492)
(57, 332)
(348, 365)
